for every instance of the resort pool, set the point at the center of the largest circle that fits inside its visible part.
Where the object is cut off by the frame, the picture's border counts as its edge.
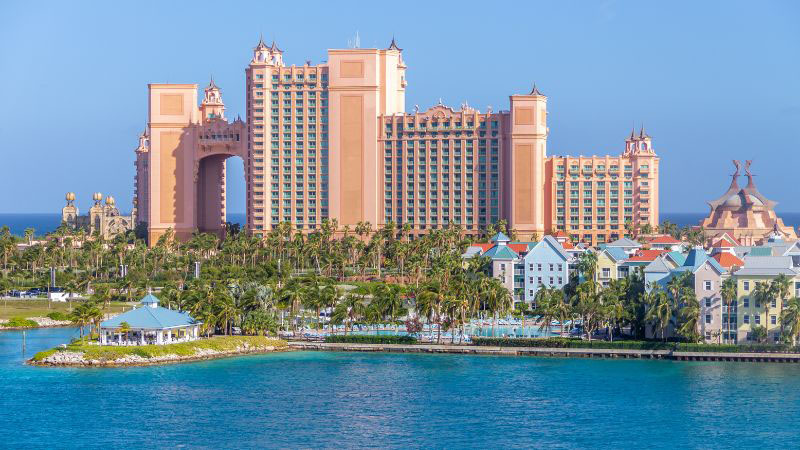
(326, 399)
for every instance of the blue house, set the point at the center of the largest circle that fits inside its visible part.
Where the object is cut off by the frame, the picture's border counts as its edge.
(546, 264)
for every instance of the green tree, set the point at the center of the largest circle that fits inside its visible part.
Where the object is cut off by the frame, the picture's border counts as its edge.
(728, 291)
(790, 318)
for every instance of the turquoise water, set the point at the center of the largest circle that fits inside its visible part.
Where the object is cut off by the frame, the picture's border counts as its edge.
(392, 400)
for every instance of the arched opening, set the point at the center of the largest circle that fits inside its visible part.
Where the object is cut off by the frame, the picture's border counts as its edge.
(235, 192)
(212, 195)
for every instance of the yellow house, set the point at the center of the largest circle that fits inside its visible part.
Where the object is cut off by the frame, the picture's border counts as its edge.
(608, 261)
(749, 311)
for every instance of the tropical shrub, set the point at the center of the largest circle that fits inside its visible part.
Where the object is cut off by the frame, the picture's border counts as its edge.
(17, 322)
(59, 315)
(556, 342)
(371, 339)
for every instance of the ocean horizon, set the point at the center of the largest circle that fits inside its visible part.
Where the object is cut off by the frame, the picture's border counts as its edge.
(44, 223)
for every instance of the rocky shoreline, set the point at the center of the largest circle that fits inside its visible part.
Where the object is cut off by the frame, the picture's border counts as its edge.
(41, 322)
(67, 358)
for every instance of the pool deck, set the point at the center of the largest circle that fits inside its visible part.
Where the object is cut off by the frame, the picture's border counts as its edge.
(548, 352)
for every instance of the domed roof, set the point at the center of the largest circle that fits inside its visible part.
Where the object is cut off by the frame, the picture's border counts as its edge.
(737, 199)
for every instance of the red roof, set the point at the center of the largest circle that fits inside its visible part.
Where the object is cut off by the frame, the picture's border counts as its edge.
(646, 255)
(729, 238)
(727, 260)
(567, 245)
(484, 246)
(665, 240)
(560, 233)
(518, 248)
(722, 243)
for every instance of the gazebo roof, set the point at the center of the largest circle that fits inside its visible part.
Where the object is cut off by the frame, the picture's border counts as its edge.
(151, 316)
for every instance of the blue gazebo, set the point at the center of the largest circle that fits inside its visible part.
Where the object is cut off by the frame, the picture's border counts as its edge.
(149, 324)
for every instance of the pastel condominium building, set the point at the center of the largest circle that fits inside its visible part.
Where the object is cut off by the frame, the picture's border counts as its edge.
(335, 141)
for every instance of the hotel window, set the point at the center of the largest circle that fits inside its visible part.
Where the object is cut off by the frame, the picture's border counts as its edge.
(746, 285)
(758, 319)
(708, 318)
(746, 318)
(707, 285)
(708, 303)
(773, 319)
(746, 302)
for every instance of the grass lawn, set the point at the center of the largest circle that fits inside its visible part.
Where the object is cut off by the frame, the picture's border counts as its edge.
(111, 352)
(15, 307)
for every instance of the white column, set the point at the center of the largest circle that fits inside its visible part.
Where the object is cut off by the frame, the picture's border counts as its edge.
(169, 335)
(159, 335)
(141, 337)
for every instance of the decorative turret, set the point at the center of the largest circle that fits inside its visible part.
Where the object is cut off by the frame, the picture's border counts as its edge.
(535, 91)
(144, 142)
(97, 197)
(638, 144)
(261, 52)
(110, 201)
(212, 106)
(277, 55)
(69, 213)
(271, 55)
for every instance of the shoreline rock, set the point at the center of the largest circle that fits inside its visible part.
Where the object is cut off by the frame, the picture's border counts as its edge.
(66, 358)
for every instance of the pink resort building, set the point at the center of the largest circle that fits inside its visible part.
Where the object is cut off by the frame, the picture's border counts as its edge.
(334, 141)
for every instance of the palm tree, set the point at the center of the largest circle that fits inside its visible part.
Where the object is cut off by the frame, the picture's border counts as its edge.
(389, 300)
(124, 328)
(349, 310)
(660, 310)
(498, 300)
(587, 265)
(781, 288)
(763, 294)
(81, 316)
(589, 307)
(293, 293)
(315, 300)
(545, 308)
(728, 291)
(790, 318)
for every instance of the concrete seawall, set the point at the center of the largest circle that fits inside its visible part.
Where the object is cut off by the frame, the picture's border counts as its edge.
(549, 352)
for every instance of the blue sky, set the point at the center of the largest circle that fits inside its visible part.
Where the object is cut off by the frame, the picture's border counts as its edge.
(711, 81)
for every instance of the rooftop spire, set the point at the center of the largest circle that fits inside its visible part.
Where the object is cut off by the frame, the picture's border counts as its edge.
(393, 45)
(261, 43)
(275, 48)
(211, 84)
(535, 90)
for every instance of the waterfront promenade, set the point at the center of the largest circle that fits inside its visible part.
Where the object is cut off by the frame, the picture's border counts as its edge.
(548, 352)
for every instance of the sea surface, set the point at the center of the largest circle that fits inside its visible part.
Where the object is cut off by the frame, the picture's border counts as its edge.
(321, 399)
(45, 223)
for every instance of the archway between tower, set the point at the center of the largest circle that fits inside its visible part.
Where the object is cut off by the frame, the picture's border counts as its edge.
(211, 194)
